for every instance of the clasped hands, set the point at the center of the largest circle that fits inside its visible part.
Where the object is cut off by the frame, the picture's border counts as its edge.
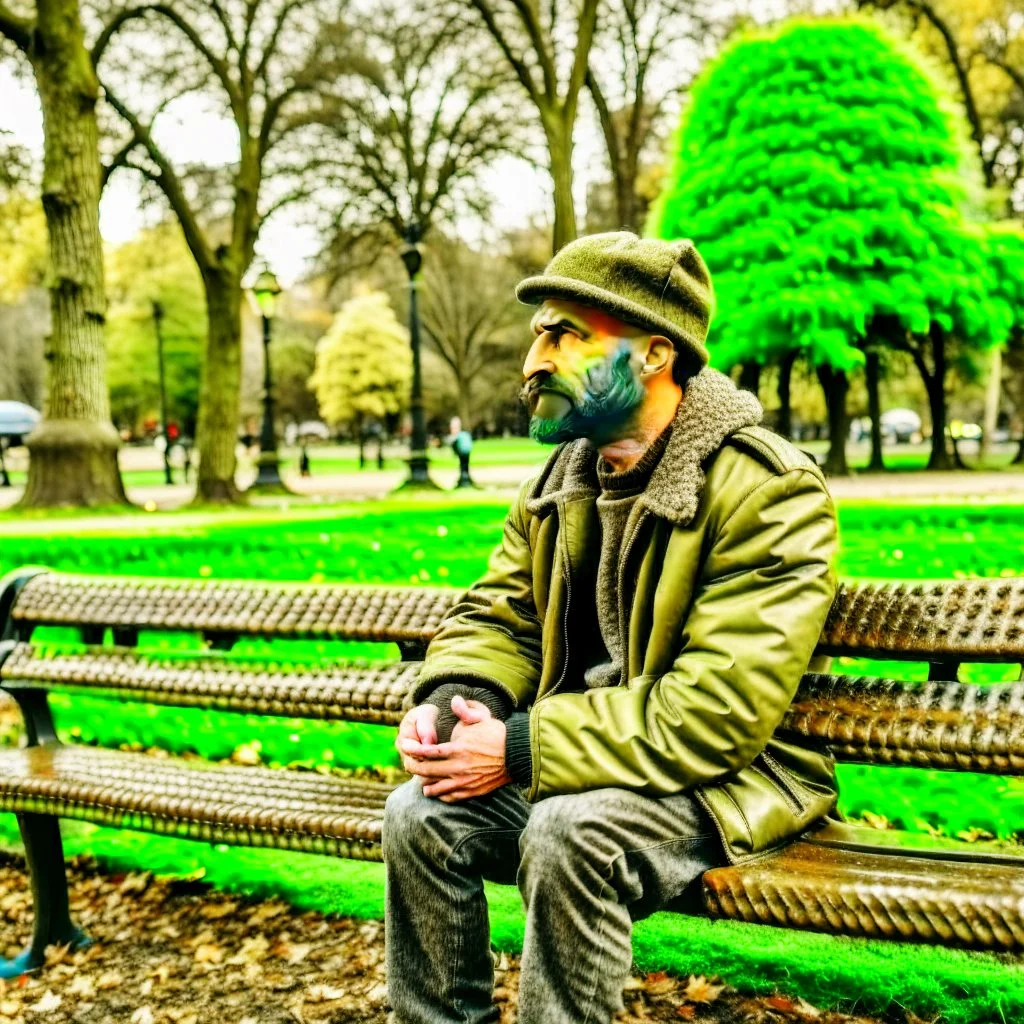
(471, 763)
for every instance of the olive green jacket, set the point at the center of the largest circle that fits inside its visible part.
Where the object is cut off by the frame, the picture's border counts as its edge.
(725, 580)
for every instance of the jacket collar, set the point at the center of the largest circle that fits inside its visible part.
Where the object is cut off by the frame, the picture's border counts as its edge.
(712, 409)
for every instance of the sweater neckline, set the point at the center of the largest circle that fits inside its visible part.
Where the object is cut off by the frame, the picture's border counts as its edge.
(635, 477)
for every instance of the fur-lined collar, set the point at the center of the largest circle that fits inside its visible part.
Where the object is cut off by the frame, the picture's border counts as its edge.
(712, 408)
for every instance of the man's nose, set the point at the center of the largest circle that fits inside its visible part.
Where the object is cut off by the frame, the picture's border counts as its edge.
(538, 359)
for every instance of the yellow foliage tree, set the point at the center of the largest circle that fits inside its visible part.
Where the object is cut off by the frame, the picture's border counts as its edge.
(363, 363)
(23, 246)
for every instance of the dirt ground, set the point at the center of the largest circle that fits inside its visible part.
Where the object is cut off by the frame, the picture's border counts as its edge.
(178, 952)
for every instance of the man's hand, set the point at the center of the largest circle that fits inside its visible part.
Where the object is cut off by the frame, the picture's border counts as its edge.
(419, 724)
(472, 763)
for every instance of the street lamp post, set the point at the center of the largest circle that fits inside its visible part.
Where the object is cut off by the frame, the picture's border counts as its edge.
(158, 319)
(418, 462)
(265, 291)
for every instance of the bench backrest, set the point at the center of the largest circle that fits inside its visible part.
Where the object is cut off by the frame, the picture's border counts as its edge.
(943, 723)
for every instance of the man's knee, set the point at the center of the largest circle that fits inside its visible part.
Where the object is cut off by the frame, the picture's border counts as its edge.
(565, 830)
(411, 820)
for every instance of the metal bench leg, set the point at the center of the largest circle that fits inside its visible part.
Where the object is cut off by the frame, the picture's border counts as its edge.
(52, 926)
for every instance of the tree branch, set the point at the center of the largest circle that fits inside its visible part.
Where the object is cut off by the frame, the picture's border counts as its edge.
(522, 72)
(1013, 73)
(973, 117)
(581, 57)
(17, 29)
(169, 184)
(528, 16)
(120, 159)
(218, 66)
(604, 116)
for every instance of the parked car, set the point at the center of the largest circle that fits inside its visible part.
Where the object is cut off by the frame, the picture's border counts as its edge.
(901, 425)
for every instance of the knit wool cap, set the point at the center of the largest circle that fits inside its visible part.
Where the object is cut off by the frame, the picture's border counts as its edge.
(661, 286)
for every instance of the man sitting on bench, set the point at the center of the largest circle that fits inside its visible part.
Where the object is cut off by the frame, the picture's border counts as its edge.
(594, 719)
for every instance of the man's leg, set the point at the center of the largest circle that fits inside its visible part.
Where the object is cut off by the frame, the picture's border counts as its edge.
(436, 931)
(591, 864)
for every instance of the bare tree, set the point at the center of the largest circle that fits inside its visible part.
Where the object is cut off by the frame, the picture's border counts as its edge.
(74, 450)
(474, 323)
(412, 134)
(972, 39)
(529, 36)
(645, 55)
(264, 60)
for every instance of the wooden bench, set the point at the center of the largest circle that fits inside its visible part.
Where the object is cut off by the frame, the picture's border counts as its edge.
(839, 877)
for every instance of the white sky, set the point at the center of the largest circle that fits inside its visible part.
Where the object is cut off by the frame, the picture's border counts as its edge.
(190, 132)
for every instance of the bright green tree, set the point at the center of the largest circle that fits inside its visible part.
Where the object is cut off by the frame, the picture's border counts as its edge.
(363, 364)
(825, 181)
(156, 266)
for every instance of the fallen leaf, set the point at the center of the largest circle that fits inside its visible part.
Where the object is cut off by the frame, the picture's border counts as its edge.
(108, 980)
(209, 953)
(324, 994)
(82, 985)
(56, 954)
(252, 950)
(47, 1004)
(213, 911)
(658, 983)
(700, 990)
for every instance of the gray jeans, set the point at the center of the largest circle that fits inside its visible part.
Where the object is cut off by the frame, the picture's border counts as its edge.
(587, 865)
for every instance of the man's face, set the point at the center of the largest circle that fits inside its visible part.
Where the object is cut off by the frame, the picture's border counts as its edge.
(582, 374)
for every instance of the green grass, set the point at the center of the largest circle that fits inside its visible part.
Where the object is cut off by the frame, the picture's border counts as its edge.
(439, 541)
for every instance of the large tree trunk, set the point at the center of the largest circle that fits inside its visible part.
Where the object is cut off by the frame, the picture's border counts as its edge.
(559, 138)
(872, 374)
(785, 391)
(935, 384)
(750, 377)
(835, 385)
(74, 449)
(626, 199)
(219, 388)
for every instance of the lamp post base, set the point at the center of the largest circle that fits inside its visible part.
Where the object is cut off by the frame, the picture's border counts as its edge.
(419, 474)
(268, 475)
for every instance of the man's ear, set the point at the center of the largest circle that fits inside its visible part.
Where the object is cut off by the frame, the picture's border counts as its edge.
(661, 354)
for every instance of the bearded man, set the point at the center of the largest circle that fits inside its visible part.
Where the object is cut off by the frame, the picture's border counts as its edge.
(594, 719)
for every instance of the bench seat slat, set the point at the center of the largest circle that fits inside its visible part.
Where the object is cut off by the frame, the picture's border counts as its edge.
(337, 690)
(326, 611)
(846, 889)
(194, 799)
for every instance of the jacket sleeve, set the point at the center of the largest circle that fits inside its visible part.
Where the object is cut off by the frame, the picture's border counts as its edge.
(758, 611)
(492, 637)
